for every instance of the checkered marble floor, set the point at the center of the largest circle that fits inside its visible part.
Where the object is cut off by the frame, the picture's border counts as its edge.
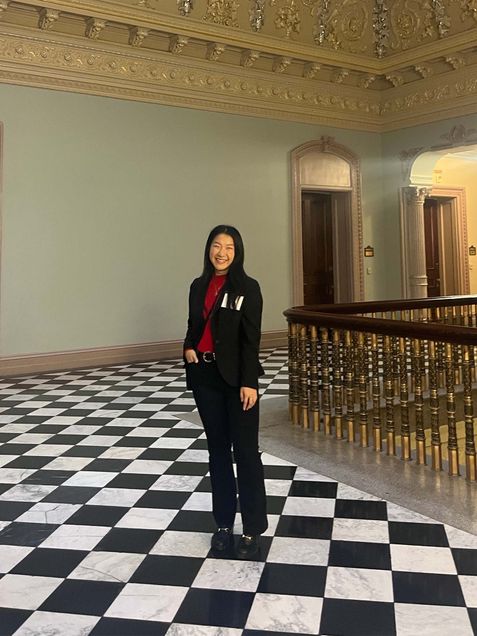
(105, 527)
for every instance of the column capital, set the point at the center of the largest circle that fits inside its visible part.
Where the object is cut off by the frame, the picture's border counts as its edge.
(417, 194)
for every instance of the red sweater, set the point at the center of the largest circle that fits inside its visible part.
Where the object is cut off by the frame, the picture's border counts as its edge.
(216, 283)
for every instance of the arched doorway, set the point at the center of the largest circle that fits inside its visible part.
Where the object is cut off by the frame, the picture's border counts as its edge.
(326, 224)
(434, 244)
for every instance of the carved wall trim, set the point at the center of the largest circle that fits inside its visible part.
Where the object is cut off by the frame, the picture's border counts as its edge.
(105, 356)
(330, 146)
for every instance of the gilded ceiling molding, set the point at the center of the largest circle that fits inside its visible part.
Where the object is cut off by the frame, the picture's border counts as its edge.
(222, 12)
(257, 14)
(137, 35)
(437, 18)
(339, 75)
(469, 9)
(185, 6)
(47, 18)
(365, 81)
(381, 27)
(249, 58)
(280, 64)
(288, 17)
(94, 28)
(310, 70)
(177, 44)
(214, 51)
(3, 7)
(424, 70)
(455, 61)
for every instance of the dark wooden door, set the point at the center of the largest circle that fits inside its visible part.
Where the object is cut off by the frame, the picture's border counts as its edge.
(431, 230)
(317, 248)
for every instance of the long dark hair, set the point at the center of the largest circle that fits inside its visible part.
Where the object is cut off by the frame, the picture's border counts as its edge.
(236, 273)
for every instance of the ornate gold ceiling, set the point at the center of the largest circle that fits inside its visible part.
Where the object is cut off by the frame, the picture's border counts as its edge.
(368, 64)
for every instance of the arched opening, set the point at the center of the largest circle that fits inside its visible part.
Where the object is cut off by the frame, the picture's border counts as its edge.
(326, 224)
(434, 224)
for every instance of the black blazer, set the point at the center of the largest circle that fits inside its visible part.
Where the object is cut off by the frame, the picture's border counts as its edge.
(235, 323)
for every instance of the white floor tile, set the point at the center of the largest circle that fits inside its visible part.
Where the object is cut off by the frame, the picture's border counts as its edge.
(359, 584)
(431, 620)
(57, 624)
(26, 592)
(72, 537)
(11, 555)
(285, 613)
(147, 602)
(222, 574)
(107, 566)
(299, 551)
(417, 558)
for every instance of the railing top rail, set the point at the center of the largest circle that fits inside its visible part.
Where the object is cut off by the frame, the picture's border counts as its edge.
(372, 306)
(422, 330)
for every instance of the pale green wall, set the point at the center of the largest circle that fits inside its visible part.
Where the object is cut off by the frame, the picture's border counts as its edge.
(107, 204)
(394, 143)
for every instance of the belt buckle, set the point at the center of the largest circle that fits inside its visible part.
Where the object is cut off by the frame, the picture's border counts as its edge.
(208, 356)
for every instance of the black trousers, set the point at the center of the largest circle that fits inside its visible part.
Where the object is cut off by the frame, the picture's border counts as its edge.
(227, 426)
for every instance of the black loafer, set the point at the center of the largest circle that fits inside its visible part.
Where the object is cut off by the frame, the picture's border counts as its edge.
(248, 547)
(222, 539)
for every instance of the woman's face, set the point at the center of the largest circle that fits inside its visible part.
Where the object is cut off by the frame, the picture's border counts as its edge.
(221, 253)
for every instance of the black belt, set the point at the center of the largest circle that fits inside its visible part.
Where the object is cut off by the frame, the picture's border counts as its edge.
(206, 356)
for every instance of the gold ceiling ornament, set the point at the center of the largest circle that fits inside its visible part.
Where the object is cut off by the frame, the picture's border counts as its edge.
(137, 35)
(350, 21)
(381, 27)
(222, 12)
(47, 18)
(257, 14)
(405, 22)
(185, 6)
(322, 28)
(288, 17)
(437, 19)
(469, 9)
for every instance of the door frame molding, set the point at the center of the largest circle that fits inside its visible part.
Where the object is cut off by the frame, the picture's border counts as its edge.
(355, 238)
(457, 196)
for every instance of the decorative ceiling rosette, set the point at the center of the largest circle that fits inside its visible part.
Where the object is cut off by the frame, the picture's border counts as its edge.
(222, 12)
(405, 22)
(351, 22)
(324, 28)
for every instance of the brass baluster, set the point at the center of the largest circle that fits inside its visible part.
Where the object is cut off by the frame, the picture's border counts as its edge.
(452, 447)
(436, 449)
(349, 387)
(325, 380)
(377, 432)
(363, 391)
(304, 375)
(337, 385)
(404, 401)
(419, 404)
(314, 379)
(470, 456)
(389, 397)
(293, 373)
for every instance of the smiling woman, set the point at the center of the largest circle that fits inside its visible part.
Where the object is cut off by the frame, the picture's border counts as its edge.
(222, 366)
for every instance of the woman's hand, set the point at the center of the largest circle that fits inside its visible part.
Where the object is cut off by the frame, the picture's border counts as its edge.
(248, 397)
(191, 356)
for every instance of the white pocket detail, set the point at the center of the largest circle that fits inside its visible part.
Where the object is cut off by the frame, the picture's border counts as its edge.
(236, 305)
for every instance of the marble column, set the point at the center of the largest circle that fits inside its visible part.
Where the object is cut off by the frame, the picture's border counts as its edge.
(416, 243)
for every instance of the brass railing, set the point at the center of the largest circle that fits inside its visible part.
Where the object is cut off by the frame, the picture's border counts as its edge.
(397, 375)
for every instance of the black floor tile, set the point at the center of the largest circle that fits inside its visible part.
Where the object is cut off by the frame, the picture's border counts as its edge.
(170, 454)
(183, 432)
(129, 540)
(84, 451)
(28, 534)
(167, 570)
(465, 561)
(11, 510)
(199, 444)
(193, 520)
(122, 431)
(279, 472)
(322, 489)
(29, 462)
(357, 554)
(305, 527)
(50, 562)
(188, 468)
(300, 580)
(49, 477)
(135, 442)
(15, 449)
(11, 620)
(66, 439)
(357, 618)
(418, 534)
(133, 480)
(427, 589)
(109, 465)
(205, 485)
(71, 494)
(473, 618)
(49, 428)
(275, 504)
(215, 607)
(97, 516)
(120, 627)
(163, 499)
(359, 509)
(82, 597)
